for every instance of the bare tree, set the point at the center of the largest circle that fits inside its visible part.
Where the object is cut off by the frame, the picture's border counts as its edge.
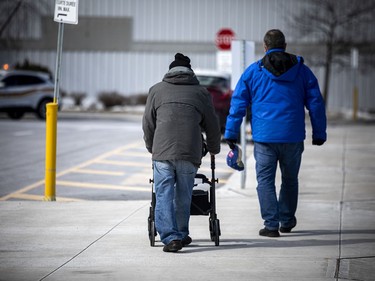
(338, 26)
(16, 16)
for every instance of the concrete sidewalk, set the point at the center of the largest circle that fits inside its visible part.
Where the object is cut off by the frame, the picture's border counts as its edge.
(107, 240)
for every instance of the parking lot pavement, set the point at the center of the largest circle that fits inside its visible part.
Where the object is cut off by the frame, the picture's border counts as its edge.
(113, 175)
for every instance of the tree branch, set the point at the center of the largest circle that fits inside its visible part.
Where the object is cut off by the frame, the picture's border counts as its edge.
(10, 17)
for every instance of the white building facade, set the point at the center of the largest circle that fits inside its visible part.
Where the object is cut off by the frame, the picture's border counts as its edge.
(139, 38)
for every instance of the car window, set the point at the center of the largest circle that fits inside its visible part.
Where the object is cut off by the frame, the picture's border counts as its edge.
(217, 82)
(22, 80)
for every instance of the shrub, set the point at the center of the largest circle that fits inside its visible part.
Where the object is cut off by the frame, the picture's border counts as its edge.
(78, 98)
(140, 99)
(111, 99)
(26, 65)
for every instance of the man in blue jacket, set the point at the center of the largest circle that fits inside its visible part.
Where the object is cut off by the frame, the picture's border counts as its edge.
(277, 88)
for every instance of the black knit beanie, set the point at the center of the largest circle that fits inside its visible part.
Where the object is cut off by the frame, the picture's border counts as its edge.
(180, 60)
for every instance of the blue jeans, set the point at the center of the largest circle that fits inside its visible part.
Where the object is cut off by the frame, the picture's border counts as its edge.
(278, 211)
(173, 182)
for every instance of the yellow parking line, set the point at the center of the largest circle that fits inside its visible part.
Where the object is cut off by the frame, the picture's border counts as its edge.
(222, 181)
(70, 170)
(126, 150)
(140, 178)
(99, 158)
(123, 163)
(41, 198)
(98, 172)
(103, 186)
(22, 190)
(135, 154)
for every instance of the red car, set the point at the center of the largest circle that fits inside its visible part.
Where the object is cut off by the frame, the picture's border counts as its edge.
(218, 84)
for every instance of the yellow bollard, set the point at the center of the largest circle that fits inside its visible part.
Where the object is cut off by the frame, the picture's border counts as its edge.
(51, 137)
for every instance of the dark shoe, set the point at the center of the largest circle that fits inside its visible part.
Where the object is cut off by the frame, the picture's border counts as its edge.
(269, 233)
(288, 229)
(173, 246)
(186, 241)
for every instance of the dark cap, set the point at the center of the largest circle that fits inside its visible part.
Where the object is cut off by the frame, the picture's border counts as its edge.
(180, 60)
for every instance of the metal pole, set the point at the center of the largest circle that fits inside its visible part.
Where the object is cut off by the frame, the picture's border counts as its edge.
(354, 61)
(58, 63)
(243, 125)
(51, 127)
(355, 97)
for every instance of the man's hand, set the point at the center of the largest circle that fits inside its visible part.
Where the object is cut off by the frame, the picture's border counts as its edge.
(231, 143)
(318, 142)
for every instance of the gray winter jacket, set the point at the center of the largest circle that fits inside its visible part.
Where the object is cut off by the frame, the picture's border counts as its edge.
(177, 110)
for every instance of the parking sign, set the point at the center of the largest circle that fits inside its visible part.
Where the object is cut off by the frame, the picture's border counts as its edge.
(66, 11)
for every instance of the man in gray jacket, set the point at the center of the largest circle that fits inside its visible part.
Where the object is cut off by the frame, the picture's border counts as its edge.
(178, 109)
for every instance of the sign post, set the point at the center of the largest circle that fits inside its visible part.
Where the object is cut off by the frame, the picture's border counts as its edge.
(354, 62)
(66, 11)
(243, 53)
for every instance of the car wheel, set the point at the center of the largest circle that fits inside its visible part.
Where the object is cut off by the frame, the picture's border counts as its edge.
(41, 111)
(15, 114)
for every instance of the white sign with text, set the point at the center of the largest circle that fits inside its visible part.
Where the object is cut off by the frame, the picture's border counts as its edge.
(66, 11)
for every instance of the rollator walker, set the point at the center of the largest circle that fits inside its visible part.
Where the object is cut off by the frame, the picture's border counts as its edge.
(203, 204)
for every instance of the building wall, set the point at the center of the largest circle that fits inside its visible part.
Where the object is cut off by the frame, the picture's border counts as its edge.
(160, 28)
(191, 20)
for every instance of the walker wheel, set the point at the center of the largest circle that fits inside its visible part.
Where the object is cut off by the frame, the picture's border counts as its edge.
(151, 228)
(217, 232)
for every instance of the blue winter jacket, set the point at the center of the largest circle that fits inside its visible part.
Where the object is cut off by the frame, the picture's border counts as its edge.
(277, 104)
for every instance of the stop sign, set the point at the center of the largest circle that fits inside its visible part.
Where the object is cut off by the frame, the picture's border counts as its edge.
(224, 38)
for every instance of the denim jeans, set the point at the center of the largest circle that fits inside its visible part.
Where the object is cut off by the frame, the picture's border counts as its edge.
(278, 211)
(173, 182)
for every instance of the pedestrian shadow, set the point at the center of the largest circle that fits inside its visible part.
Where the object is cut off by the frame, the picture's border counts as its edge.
(296, 233)
(331, 238)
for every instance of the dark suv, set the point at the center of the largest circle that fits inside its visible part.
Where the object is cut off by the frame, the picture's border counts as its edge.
(22, 91)
(218, 84)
